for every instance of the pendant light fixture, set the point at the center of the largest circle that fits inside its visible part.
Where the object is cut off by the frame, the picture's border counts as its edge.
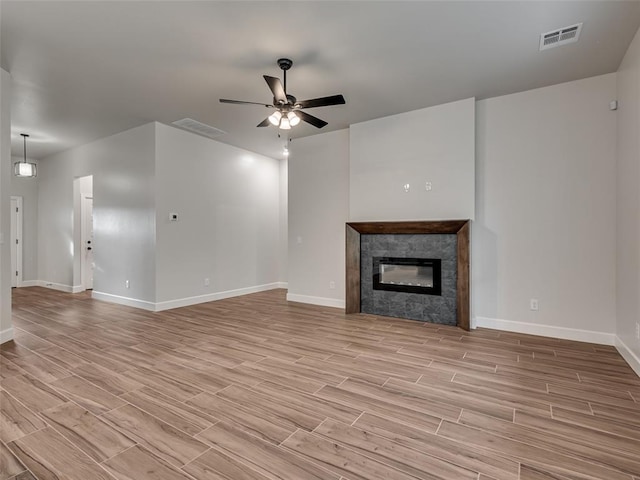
(24, 169)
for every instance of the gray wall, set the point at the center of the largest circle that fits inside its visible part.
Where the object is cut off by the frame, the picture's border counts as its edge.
(628, 203)
(6, 329)
(435, 145)
(318, 210)
(227, 199)
(545, 210)
(124, 214)
(27, 188)
(228, 202)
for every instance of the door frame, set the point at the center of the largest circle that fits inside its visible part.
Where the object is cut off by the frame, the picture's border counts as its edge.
(17, 225)
(83, 240)
(80, 188)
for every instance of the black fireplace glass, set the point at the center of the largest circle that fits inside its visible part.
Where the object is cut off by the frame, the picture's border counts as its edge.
(413, 275)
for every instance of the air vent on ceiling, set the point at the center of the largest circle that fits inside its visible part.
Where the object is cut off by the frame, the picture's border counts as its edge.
(198, 127)
(561, 36)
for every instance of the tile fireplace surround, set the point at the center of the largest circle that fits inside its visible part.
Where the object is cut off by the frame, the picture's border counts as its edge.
(459, 228)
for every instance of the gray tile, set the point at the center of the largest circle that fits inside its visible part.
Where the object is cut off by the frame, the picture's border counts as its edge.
(430, 308)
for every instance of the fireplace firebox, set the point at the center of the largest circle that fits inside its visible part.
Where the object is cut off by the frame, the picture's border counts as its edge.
(412, 275)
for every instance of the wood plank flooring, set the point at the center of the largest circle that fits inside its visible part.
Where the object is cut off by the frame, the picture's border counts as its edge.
(256, 388)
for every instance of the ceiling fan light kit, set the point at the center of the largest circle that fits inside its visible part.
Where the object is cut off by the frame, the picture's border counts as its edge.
(288, 110)
(293, 119)
(274, 118)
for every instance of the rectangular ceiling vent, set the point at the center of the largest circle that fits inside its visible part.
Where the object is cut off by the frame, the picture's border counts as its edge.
(198, 127)
(561, 36)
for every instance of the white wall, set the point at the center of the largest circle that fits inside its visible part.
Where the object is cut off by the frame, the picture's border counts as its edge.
(284, 228)
(318, 210)
(228, 228)
(545, 210)
(6, 328)
(358, 175)
(124, 214)
(628, 205)
(27, 188)
(435, 144)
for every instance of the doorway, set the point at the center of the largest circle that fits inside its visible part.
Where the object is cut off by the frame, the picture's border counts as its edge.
(16, 242)
(83, 245)
(86, 263)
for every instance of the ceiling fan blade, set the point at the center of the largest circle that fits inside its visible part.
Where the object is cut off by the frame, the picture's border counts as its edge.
(264, 123)
(315, 121)
(240, 102)
(276, 88)
(322, 102)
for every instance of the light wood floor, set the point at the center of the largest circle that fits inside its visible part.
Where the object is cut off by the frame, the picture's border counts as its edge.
(258, 388)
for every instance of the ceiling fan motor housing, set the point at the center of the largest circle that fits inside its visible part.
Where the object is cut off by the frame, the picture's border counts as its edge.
(285, 63)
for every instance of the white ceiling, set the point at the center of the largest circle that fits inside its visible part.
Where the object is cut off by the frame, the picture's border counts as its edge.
(86, 70)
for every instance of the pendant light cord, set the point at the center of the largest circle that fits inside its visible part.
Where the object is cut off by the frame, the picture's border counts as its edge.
(24, 137)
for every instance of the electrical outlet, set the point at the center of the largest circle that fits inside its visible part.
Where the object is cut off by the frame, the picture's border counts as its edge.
(332, 285)
(126, 284)
(206, 282)
(428, 186)
(533, 304)
(637, 330)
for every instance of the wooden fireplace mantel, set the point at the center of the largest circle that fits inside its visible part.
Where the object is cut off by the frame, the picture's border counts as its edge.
(458, 227)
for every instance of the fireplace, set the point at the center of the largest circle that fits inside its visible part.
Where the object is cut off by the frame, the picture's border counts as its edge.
(443, 240)
(412, 275)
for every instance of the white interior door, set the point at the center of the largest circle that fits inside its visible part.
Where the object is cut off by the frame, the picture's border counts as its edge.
(16, 241)
(86, 209)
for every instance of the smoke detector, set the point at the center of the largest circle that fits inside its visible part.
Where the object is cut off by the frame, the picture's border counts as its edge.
(560, 36)
(198, 127)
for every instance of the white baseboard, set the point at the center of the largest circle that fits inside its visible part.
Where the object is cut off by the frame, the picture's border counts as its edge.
(282, 284)
(56, 286)
(183, 302)
(630, 357)
(211, 297)
(6, 335)
(322, 301)
(129, 302)
(576, 334)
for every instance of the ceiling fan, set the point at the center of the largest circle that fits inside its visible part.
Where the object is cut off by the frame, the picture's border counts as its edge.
(288, 110)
